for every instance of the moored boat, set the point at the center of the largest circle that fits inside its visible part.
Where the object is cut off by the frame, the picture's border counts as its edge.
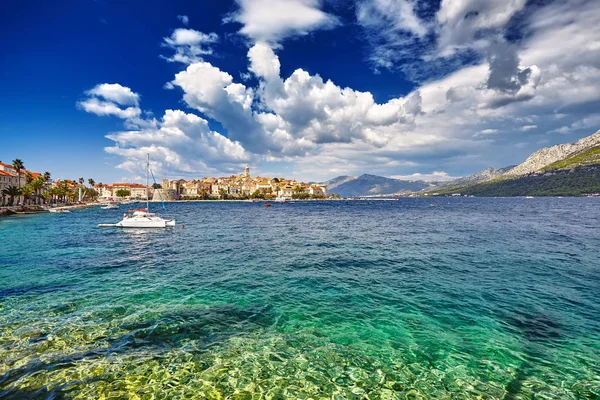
(141, 217)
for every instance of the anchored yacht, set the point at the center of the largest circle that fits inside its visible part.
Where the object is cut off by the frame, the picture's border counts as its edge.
(142, 218)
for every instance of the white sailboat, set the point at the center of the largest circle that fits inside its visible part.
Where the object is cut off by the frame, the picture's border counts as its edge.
(142, 218)
(110, 206)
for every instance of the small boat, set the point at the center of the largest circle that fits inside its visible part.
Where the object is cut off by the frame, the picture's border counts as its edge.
(529, 197)
(142, 218)
(283, 199)
(110, 206)
(59, 210)
(267, 205)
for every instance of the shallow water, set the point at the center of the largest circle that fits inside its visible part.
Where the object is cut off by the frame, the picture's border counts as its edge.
(416, 298)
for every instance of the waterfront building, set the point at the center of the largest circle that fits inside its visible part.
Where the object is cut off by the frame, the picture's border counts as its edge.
(9, 169)
(137, 191)
(7, 179)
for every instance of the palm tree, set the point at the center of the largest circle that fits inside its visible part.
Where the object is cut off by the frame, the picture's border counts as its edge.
(12, 191)
(91, 194)
(28, 177)
(26, 192)
(18, 166)
(91, 182)
(46, 176)
(37, 185)
(81, 180)
(50, 194)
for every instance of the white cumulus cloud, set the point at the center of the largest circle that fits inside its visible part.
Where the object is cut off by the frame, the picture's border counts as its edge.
(189, 45)
(273, 20)
(116, 93)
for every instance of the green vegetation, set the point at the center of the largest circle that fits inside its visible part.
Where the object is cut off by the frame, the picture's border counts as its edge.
(561, 182)
(123, 193)
(12, 192)
(580, 159)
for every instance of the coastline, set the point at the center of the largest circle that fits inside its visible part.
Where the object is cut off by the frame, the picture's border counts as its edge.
(37, 209)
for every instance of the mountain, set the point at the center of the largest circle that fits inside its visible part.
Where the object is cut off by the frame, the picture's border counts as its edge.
(581, 158)
(570, 169)
(335, 182)
(566, 182)
(550, 155)
(370, 185)
(481, 176)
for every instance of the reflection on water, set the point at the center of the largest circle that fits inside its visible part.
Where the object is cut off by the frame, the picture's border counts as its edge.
(436, 298)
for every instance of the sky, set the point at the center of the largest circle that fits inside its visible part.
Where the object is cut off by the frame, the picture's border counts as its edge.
(306, 89)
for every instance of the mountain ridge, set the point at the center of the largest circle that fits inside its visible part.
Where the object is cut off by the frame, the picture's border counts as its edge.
(581, 157)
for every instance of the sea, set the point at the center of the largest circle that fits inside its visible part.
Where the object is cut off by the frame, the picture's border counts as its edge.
(419, 298)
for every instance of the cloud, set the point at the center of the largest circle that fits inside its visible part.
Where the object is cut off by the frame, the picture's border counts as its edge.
(434, 176)
(505, 74)
(468, 23)
(273, 20)
(184, 19)
(528, 128)
(466, 119)
(189, 45)
(180, 144)
(115, 93)
(397, 15)
(489, 131)
(426, 42)
(104, 108)
(112, 99)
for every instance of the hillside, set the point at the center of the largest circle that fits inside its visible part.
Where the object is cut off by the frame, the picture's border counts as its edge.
(553, 154)
(570, 169)
(564, 182)
(335, 182)
(582, 158)
(371, 185)
(481, 176)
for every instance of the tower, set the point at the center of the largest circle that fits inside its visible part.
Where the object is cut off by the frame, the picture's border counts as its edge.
(247, 171)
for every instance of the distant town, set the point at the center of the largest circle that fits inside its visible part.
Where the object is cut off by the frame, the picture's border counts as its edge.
(20, 186)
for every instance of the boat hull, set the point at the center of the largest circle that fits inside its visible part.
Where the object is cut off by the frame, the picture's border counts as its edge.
(145, 223)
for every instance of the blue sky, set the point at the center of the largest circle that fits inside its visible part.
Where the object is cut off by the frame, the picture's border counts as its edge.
(303, 88)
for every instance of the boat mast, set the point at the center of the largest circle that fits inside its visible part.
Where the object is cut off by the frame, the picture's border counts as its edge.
(147, 195)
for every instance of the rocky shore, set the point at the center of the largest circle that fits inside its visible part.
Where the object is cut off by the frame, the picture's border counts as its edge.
(33, 209)
(23, 209)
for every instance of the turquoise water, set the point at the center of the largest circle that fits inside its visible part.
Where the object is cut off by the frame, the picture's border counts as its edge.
(416, 298)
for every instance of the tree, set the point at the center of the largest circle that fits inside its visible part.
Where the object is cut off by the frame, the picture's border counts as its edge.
(46, 176)
(157, 186)
(123, 193)
(26, 192)
(223, 194)
(28, 177)
(276, 180)
(62, 190)
(81, 180)
(18, 166)
(37, 185)
(257, 195)
(90, 194)
(12, 192)
(91, 182)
